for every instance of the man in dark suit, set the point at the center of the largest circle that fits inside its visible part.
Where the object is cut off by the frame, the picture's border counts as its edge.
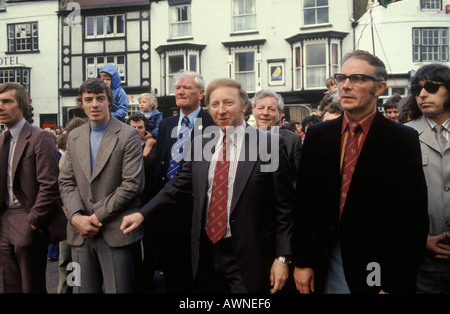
(30, 208)
(243, 201)
(351, 236)
(268, 109)
(174, 239)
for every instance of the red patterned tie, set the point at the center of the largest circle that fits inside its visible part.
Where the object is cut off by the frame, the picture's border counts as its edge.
(349, 163)
(217, 214)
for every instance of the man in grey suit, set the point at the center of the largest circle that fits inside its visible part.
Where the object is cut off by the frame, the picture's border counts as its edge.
(268, 109)
(429, 105)
(100, 182)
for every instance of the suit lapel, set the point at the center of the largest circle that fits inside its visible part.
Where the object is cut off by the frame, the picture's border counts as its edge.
(330, 149)
(244, 169)
(107, 144)
(22, 142)
(426, 135)
(82, 146)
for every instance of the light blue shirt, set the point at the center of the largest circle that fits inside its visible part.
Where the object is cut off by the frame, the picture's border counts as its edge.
(95, 139)
(192, 117)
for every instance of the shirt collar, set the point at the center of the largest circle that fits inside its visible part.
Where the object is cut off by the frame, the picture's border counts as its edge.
(364, 121)
(15, 130)
(432, 124)
(236, 134)
(192, 117)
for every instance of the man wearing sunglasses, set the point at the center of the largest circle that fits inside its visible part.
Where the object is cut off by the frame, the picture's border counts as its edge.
(429, 105)
(351, 236)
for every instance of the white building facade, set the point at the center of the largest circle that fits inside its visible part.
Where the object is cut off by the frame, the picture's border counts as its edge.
(29, 54)
(289, 46)
(407, 35)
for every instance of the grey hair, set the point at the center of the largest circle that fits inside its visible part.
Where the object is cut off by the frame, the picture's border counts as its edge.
(379, 68)
(198, 79)
(268, 93)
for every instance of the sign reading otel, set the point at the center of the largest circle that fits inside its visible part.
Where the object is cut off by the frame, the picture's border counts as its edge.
(4, 61)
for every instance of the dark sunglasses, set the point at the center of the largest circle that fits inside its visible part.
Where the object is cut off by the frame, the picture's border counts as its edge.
(430, 86)
(355, 79)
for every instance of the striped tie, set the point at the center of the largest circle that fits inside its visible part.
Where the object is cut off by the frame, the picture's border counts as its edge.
(178, 148)
(350, 159)
(217, 213)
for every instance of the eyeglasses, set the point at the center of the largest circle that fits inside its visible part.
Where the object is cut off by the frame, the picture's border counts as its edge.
(355, 79)
(430, 86)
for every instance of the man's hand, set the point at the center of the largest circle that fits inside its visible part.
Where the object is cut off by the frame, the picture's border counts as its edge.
(304, 280)
(436, 246)
(87, 226)
(278, 275)
(131, 222)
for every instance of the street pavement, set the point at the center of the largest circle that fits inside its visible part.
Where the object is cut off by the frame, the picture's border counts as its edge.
(53, 279)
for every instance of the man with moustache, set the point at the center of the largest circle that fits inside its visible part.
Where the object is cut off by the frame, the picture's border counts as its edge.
(430, 110)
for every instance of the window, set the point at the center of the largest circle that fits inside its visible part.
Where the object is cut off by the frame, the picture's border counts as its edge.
(2, 5)
(315, 12)
(430, 44)
(177, 62)
(17, 75)
(95, 63)
(431, 4)
(105, 26)
(244, 69)
(334, 58)
(23, 37)
(315, 65)
(298, 68)
(180, 21)
(244, 15)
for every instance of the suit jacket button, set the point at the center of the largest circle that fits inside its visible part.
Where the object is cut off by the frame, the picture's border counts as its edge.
(447, 188)
(162, 163)
(447, 223)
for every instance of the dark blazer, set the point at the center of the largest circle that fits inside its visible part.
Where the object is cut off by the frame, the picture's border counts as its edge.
(294, 150)
(165, 141)
(385, 216)
(35, 171)
(260, 214)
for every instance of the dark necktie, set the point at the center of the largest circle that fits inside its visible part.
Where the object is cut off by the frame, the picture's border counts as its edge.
(178, 148)
(442, 141)
(4, 154)
(350, 159)
(216, 224)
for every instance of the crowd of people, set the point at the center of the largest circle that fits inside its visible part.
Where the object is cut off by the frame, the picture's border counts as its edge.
(233, 198)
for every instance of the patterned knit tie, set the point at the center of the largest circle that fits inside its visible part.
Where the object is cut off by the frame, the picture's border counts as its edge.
(217, 213)
(350, 159)
(178, 148)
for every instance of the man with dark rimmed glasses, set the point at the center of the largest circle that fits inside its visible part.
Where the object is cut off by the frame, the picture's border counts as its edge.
(350, 236)
(429, 105)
